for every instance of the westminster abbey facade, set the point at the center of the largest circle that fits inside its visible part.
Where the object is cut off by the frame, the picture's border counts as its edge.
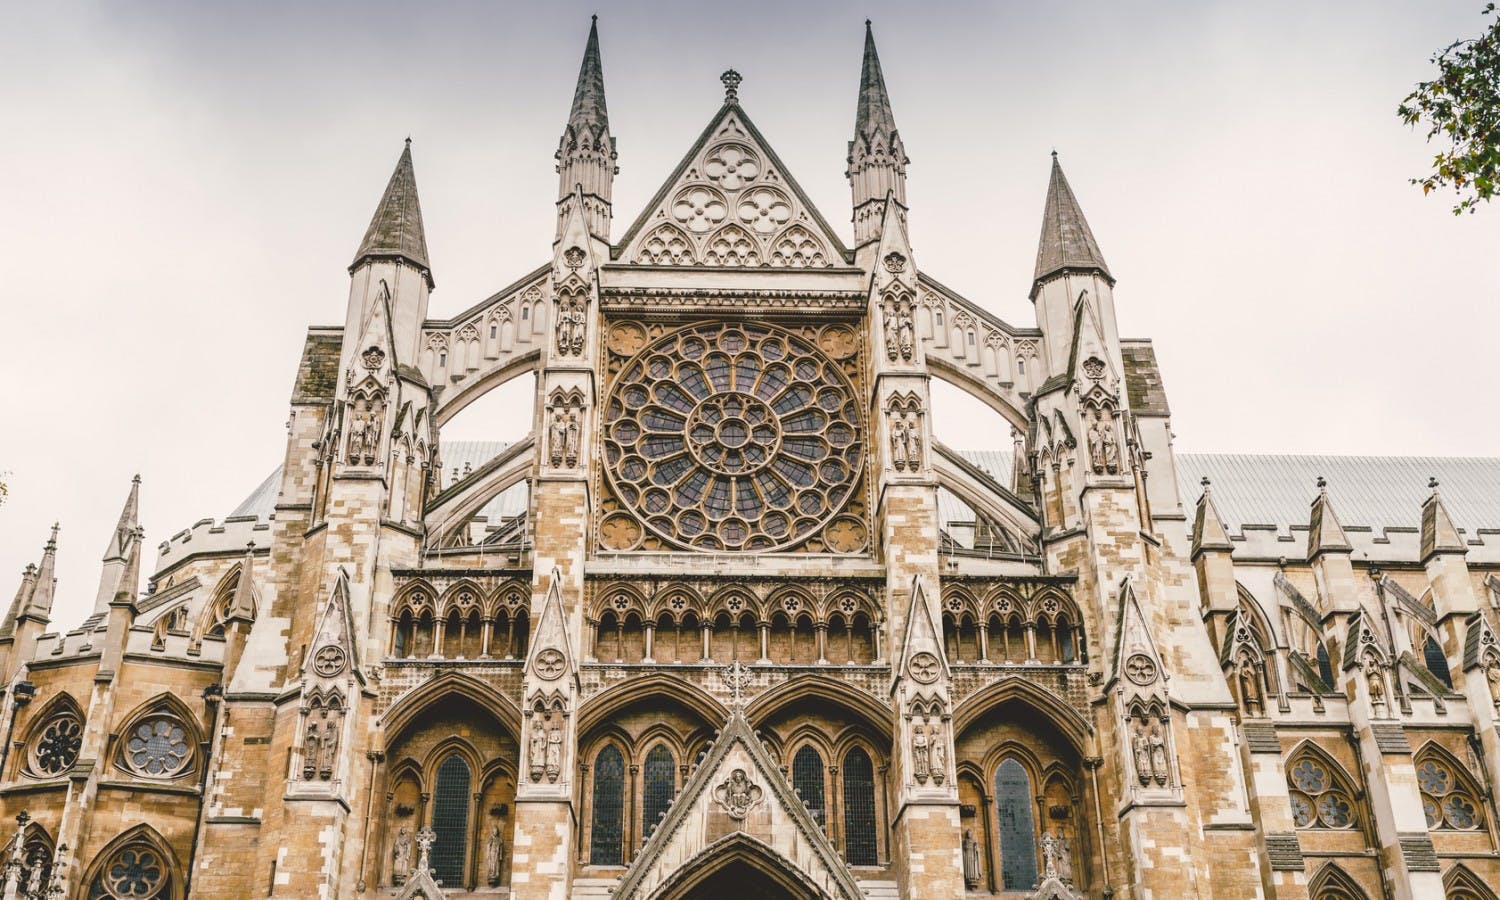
(731, 622)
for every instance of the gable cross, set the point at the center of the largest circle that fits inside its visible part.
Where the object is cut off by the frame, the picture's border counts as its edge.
(737, 678)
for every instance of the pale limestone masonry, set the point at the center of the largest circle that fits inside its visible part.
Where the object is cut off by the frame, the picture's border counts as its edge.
(732, 622)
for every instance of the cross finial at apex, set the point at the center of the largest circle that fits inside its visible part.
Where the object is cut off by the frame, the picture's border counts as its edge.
(1432, 482)
(1204, 482)
(408, 142)
(731, 80)
(1322, 483)
(736, 678)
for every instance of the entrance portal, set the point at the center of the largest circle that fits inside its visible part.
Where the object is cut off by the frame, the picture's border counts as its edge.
(739, 880)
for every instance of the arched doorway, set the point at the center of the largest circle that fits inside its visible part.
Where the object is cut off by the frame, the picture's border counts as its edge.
(739, 868)
(739, 880)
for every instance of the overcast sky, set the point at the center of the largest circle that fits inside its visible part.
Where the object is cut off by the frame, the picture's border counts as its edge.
(187, 183)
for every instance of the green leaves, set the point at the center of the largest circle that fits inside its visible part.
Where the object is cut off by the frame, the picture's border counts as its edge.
(1461, 107)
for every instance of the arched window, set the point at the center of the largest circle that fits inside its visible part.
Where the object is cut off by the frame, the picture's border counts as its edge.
(807, 778)
(136, 871)
(606, 845)
(661, 785)
(1013, 800)
(1436, 660)
(1447, 799)
(1319, 797)
(450, 820)
(1325, 668)
(859, 808)
(55, 745)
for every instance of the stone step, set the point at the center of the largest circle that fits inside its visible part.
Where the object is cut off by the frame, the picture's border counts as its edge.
(880, 890)
(594, 888)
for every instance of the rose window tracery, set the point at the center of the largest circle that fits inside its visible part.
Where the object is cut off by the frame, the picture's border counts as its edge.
(1447, 804)
(158, 747)
(133, 872)
(57, 746)
(1317, 800)
(733, 437)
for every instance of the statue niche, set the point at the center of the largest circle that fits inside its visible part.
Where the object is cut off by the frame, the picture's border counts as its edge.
(364, 423)
(904, 425)
(322, 728)
(564, 429)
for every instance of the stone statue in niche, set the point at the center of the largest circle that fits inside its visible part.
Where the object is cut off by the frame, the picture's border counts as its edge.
(357, 428)
(329, 749)
(919, 757)
(1140, 746)
(937, 752)
(971, 860)
(899, 333)
(1057, 858)
(1104, 447)
(557, 437)
(570, 326)
(1159, 768)
(537, 750)
(554, 751)
(570, 441)
(312, 749)
(906, 441)
(494, 852)
(401, 855)
(1376, 684)
(738, 794)
(1492, 675)
(1251, 694)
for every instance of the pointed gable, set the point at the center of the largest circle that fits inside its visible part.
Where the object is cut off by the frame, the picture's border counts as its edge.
(1209, 533)
(334, 648)
(1439, 534)
(1325, 532)
(1137, 659)
(922, 658)
(731, 202)
(737, 796)
(551, 653)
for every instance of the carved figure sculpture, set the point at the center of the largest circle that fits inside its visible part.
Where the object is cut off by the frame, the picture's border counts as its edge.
(493, 853)
(557, 437)
(1250, 692)
(329, 749)
(401, 855)
(537, 752)
(1376, 685)
(971, 860)
(570, 327)
(554, 752)
(913, 442)
(919, 753)
(570, 442)
(357, 426)
(1492, 675)
(1049, 855)
(937, 752)
(905, 333)
(1142, 749)
(898, 442)
(1104, 447)
(892, 348)
(312, 745)
(1159, 754)
(738, 794)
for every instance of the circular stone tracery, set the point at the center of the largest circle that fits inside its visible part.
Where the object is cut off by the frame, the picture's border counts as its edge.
(733, 437)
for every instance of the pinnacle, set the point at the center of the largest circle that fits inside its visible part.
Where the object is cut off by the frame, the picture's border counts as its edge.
(589, 110)
(396, 230)
(874, 111)
(1067, 243)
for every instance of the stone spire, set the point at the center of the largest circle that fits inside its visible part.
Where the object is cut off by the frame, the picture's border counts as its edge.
(395, 231)
(1439, 534)
(877, 158)
(1209, 533)
(242, 607)
(39, 604)
(586, 152)
(1067, 244)
(119, 542)
(23, 596)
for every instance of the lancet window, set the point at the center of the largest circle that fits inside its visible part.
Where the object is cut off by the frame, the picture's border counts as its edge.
(464, 623)
(1005, 627)
(607, 836)
(807, 779)
(660, 786)
(450, 819)
(859, 808)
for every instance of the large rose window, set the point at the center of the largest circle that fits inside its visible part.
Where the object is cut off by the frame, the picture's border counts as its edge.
(733, 437)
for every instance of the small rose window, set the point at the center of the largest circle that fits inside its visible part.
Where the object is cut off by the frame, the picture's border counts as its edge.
(1318, 801)
(158, 747)
(1448, 804)
(56, 747)
(134, 872)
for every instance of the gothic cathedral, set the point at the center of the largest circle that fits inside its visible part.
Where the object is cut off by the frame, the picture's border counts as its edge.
(730, 622)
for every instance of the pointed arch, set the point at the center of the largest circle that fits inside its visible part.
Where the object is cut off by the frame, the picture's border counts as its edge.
(736, 853)
(214, 615)
(1333, 883)
(607, 704)
(53, 738)
(666, 245)
(1451, 798)
(1460, 883)
(1014, 689)
(409, 707)
(1322, 791)
(160, 740)
(875, 715)
(138, 864)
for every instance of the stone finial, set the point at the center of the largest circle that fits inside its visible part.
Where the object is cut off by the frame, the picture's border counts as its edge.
(1205, 482)
(1432, 482)
(1322, 483)
(731, 80)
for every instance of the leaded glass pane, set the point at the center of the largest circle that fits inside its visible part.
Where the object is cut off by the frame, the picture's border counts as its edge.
(859, 809)
(606, 845)
(661, 784)
(1013, 799)
(807, 778)
(450, 820)
(1437, 661)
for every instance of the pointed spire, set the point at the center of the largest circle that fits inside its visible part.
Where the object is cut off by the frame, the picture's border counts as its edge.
(23, 596)
(130, 581)
(589, 110)
(242, 605)
(119, 542)
(1439, 534)
(1067, 244)
(1209, 533)
(395, 230)
(873, 115)
(1325, 533)
(39, 604)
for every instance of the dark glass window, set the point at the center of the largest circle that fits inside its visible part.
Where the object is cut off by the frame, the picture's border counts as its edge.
(606, 846)
(859, 809)
(1013, 799)
(1437, 662)
(1325, 669)
(450, 820)
(661, 784)
(807, 778)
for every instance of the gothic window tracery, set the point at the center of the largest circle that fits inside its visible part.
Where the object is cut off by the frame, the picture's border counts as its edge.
(1320, 795)
(55, 748)
(1448, 797)
(660, 787)
(859, 808)
(736, 437)
(807, 779)
(1436, 660)
(136, 871)
(158, 745)
(606, 838)
(450, 819)
(466, 622)
(1007, 628)
(1014, 813)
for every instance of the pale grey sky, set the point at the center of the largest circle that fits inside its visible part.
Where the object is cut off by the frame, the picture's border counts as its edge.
(188, 182)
